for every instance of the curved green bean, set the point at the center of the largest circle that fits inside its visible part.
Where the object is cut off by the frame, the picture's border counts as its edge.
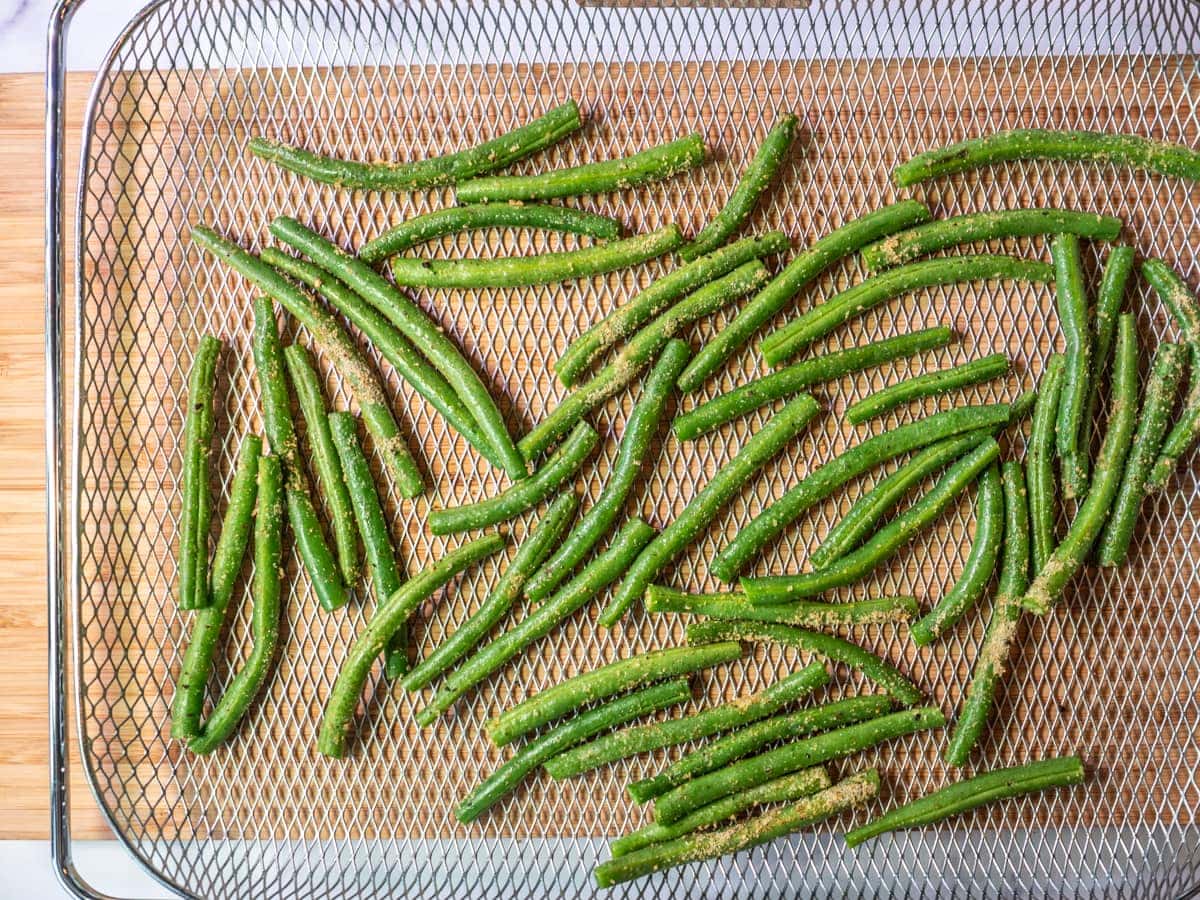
(803, 613)
(554, 742)
(1109, 299)
(337, 721)
(188, 703)
(661, 294)
(1070, 555)
(654, 164)
(989, 225)
(1043, 506)
(885, 542)
(595, 576)
(523, 495)
(1042, 143)
(828, 367)
(929, 384)
(1072, 405)
(988, 787)
(196, 508)
(264, 625)
(824, 480)
(502, 597)
(656, 735)
(768, 441)
(635, 442)
(498, 153)
(453, 219)
(784, 343)
(799, 272)
(757, 178)
(993, 653)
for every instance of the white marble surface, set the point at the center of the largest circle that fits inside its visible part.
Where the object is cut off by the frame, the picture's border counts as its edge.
(23, 32)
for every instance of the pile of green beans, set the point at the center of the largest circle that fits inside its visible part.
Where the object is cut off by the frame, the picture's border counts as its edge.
(929, 384)
(195, 515)
(809, 614)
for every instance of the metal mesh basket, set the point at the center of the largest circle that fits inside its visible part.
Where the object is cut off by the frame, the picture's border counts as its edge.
(1113, 674)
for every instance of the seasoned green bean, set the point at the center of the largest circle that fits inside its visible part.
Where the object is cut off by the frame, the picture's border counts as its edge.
(635, 442)
(197, 453)
(804, 613)
(523, 495)
(929, 384)
(1042, 143)
(1043, 505)
(660, 295)
(490, 156)
(555, 741)
(780, 430)
(1075, 324)
(654, 164)
(595, 576)
(644, 738)
(794, 378)
(988, 787)
(989, 225)
(884, 543)
(1070, 555)
(453, 219)
(264, 626)
(502, 597)
(824, 480)
(992, 657)
(336, 723)
(757, 177)
(799, 272)
(1109, 300)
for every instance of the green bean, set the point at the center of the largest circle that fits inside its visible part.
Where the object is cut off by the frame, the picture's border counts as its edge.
(197, 664)
(785, 382)
(1021, 408)
(978, 568)
(544, 268)
(1068, 556)
(1041, 143)
(502, 597)
(311, 400)
(196, 507)
(568, 696)
(712, 757)
(337, 721)
(654, 164)
(756, 179)
(780, 430)
(314, 552)
(392, 345)
(1165, 374)
(988, 787)
(804, 613)
(343, 352)
(1072, 405)
(635, 443)
(1185, 310)
(826, 646)
(781, 790)
(1040, 463)
(641, 351)
(870, 509)
(372, 525)
(884, 543)
(748, 773)
(992, 657)
(1109, 299)
(654, 736)
(416, 326)
(929, 384)
(799, 272)
(555, 741)
(523, 495)
(597, 575)
(453, 219)
(784, 343)
(824, 480)
(989, 225)
(264, 626)
(498, 153)
(847, 793)
(660, 295)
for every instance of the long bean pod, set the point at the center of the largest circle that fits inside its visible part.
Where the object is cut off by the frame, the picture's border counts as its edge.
(1072, 405)
(196, 506)
(803, 613)
(778, 432)
(930, 384)
(1043, 492)
(1109, 299)
(497, 153)
(795, 276)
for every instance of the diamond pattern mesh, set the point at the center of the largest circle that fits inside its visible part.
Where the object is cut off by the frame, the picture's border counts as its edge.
(1112, 674)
